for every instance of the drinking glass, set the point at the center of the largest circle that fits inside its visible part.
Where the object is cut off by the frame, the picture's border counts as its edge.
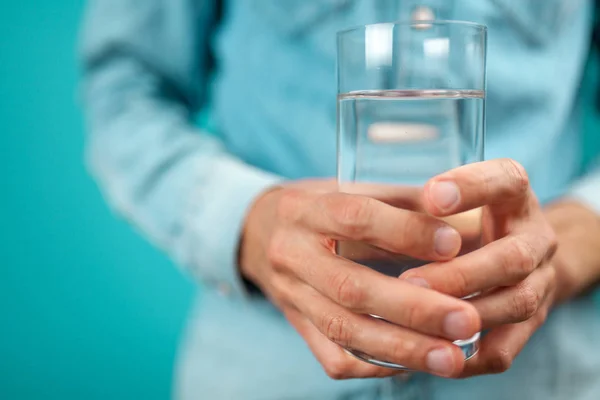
(411, 105)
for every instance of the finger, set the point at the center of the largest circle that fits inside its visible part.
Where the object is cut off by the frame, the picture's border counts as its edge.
(500, 347)
(358, 218)
(468, 224)
(336, 362)
(500, 183)
(379, 339)
(504, 262)
(365, 291)
(516, 303)
(399, 196)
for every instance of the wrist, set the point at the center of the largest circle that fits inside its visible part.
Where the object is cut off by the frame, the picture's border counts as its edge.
(257, 229)
(577, 260)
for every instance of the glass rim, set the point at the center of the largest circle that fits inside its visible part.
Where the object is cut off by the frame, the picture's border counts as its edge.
(439, 22)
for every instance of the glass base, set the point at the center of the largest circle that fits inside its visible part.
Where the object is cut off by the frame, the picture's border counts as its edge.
(469, 348)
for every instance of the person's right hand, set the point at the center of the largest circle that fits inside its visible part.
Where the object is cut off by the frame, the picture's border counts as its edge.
(288, 251)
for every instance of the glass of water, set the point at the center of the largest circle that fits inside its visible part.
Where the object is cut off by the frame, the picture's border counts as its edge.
(411, 105)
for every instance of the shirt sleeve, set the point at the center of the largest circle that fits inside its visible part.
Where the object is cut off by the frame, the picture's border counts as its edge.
(587, 190)
(144, 73)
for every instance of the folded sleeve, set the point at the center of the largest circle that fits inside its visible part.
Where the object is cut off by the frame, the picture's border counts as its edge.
(144, 68)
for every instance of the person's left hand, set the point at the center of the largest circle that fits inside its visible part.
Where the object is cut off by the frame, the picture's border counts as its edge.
(513, 271)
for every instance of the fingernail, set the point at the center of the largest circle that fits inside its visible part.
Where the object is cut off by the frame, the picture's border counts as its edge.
(456, 325)
(418, 282)
(446, 241)
(440, 361)
(444, 194)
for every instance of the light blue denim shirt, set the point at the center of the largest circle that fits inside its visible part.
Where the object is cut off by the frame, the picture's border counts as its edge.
(272, 101)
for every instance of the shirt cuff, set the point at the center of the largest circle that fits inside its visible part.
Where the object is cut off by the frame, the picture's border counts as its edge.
(587, 191)
(218, 211)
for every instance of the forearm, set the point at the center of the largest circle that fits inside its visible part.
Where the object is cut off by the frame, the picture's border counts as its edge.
(175, 182)
(577, 260)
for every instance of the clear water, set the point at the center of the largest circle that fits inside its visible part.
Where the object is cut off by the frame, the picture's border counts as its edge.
(408, 136)
(392, 142)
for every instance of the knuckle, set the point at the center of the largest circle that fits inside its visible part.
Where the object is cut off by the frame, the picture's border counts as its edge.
(351, 213)
(460, 283)
(410, 316)
(526, 302)
(414, 233)
(518, 175)
(337, 328)
(402, 350)
(277, 253)
(521, 258)
(337, 368)
(289, 205)
(500, 362)
(348, 291)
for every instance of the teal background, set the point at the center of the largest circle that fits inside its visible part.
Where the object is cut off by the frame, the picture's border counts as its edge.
(589, 94)
(88, 310)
